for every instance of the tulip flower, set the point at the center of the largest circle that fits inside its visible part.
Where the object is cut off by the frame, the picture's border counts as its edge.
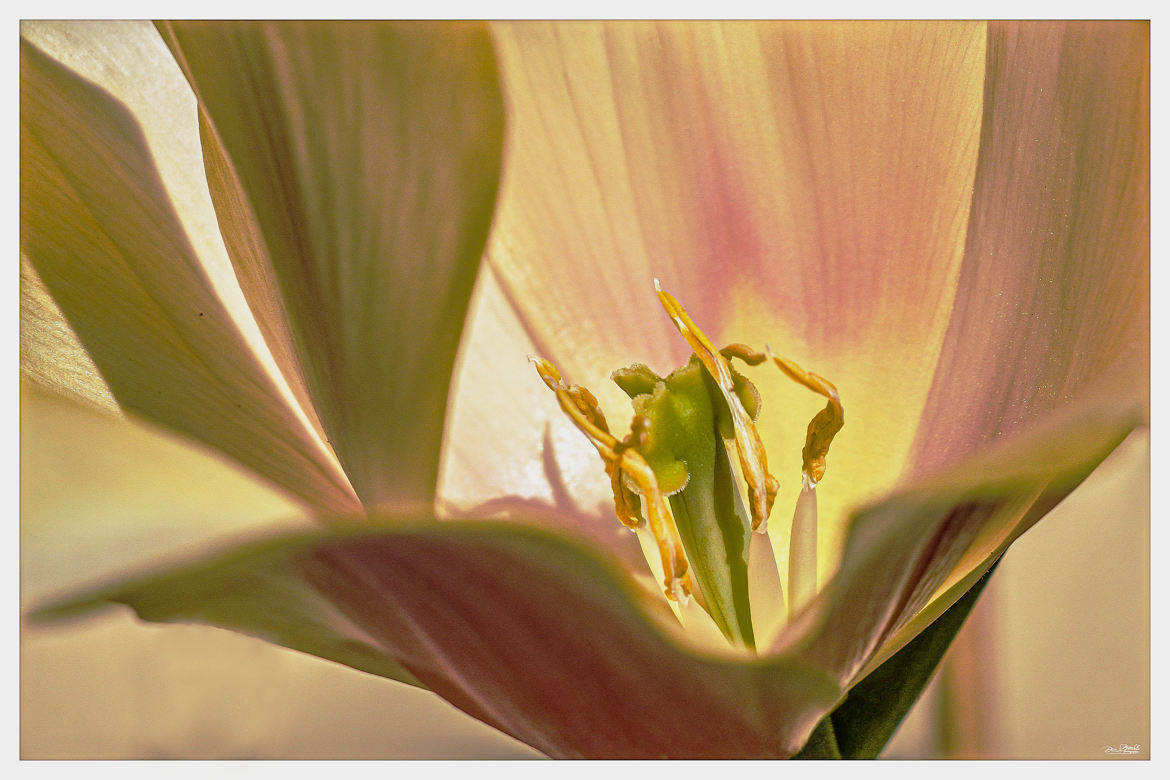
(939, 229)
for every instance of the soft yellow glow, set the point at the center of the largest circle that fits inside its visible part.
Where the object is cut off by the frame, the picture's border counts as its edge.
(883, 376)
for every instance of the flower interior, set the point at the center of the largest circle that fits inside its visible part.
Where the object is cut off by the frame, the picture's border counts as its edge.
(674, 473)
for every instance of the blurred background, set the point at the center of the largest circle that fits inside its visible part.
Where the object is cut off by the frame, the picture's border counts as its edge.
(1053, 663)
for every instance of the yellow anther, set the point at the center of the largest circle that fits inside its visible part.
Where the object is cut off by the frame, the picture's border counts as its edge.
(824, 426)
(620, 458)
(752, 458)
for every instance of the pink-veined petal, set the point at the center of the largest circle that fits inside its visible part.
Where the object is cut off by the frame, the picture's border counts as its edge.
(98, 227)
(823, 164)
(525, 630)
(354, 169)
(800, 184)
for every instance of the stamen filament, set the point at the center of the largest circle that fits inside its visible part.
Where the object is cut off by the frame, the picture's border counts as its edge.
(581, 407)
(766, 593)
(802, 549)
(802, 543)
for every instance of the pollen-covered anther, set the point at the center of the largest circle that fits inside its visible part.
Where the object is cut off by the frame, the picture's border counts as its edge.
(620, 458)
(824, 425)
(752, 458)
(744, 353)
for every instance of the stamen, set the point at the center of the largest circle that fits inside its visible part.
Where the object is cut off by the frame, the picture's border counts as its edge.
(766, 594)
(621, 458)
(753, 460)
(802, 544)
(744, 353)
(824, 426)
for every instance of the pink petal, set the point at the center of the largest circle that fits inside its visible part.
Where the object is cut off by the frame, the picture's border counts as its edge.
(523, 629)
(823, 166)
(543, 640)
(1054, 288)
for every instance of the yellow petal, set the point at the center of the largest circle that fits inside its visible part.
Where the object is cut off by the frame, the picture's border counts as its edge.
(354, 168)
(1020, 480)
(50, 353)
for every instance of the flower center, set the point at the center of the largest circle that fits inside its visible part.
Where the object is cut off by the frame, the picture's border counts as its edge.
(674, 472)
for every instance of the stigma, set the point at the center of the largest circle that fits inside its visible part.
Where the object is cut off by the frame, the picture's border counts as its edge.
(673, 471)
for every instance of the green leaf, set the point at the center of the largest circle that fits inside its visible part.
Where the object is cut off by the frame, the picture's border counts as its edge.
(864, 722)
(822, 743)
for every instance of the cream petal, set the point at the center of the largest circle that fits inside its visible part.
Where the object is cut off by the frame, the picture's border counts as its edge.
(103, 496)
(98, 227)
(130, 60)
(509, 451)
(50, 353)
(1054, 288)
(367, 156)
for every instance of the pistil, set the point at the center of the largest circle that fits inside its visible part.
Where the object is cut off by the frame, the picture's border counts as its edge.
(753, 461)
